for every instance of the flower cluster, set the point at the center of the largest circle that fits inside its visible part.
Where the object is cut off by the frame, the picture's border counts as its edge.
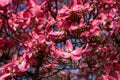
(56, 37)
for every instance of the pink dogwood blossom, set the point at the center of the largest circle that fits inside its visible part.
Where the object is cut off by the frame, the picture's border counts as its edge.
(69, 52)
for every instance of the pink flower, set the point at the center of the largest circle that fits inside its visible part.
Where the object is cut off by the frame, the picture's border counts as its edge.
(34, 8)
(22, 65)
(69, 52)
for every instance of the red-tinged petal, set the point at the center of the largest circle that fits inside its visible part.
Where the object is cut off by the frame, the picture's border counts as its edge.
(14, 58)
(26, 23)
(112, 78)
(74, 2)
(107, 68)
(4, 76)
(74, 27)
(102, 16)
(35, 35)
(78, 51)
(95, 31)
(35, 11)
(6, 65)
(29, 44)
(95, 22)
(87, 49)
(39, 27)
(4, 2)
(31, 3)
(68, 46)
(105, 77)
(118, 74)
(112, 12)
(64, 10)
(59, 52)
(41, 38)
(87, 5)
(75, 57)
(27, 14)
(85, 33)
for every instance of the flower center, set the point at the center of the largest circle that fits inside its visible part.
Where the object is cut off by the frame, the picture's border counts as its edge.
(60, 30)
(81, 9)
(69, 51)
(20, 62)
(105, 20)
(11, 72)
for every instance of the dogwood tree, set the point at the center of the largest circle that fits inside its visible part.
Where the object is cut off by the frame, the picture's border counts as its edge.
(60, 39)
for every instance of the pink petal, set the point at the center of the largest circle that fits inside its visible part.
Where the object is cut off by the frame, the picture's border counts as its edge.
(66, 55)
(112, 12)
(73, 27)
(107, 68)
(112, 78)
(59, 52)
(68, 46)
(31, 3)
(75, 57)
(95, 30)
(87, 49)
(78, 51)
(22, 67)
(4, 2)
(95, 22)
(85, 33)
(41, 38)
(4, 76)
(74, 2)
(105, 77)
(118, 74)
(87, 5)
